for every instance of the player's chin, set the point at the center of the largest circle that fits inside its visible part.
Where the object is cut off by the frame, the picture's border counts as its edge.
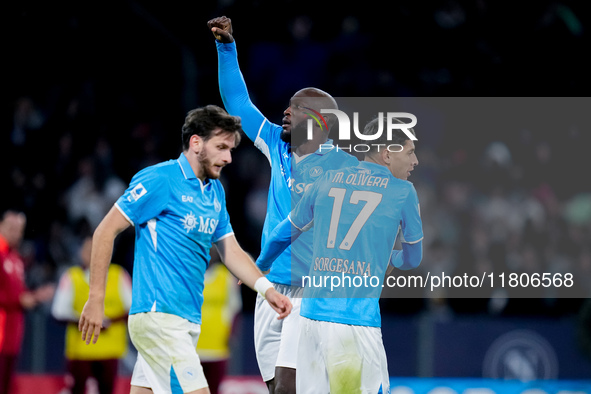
(286, 134)
(403, 176)
(215, 172)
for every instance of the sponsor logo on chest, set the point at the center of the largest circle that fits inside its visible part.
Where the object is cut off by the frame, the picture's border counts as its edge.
(202, 224)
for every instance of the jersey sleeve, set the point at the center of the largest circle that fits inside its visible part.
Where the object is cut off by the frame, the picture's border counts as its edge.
(280, 238)
(409, 257)
(61, 307)
(9, 298)
(224, 227)
(412, 226)
(236, 99)
(145, 198)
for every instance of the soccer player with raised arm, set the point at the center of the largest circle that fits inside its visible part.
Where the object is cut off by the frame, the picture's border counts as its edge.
(296, 162)
(356, 213)
(178, 208)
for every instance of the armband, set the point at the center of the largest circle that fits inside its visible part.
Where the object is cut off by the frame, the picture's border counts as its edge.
(261, 285)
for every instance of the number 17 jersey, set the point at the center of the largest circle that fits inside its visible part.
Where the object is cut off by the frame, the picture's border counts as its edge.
(356, 213)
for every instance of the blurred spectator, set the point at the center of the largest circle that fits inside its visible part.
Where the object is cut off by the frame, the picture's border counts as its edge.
(584, 328)
(15, 298)
(94, 193)
(100, 361)
(27, 119)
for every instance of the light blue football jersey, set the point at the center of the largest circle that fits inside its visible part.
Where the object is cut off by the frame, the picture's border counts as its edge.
(267, 138)
(176, 219)
(289, 178)
(356, 213)
(304, 173)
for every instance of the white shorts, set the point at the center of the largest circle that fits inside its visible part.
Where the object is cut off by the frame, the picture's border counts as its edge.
(167, 359)
(276, 341)
(341, 358)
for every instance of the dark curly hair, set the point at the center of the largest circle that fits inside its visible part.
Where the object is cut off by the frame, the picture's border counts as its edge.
(204, 121)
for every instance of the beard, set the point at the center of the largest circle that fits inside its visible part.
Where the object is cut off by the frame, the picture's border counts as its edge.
(285, 136)
(208, 167)
(297, 135)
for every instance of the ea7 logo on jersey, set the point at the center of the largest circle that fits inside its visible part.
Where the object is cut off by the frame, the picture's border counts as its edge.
(206, 225)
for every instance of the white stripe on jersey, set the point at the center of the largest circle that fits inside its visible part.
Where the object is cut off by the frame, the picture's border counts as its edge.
(262, 145)
(153, 233)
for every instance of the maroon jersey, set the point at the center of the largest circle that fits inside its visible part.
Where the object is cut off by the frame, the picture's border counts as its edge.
(12, 285)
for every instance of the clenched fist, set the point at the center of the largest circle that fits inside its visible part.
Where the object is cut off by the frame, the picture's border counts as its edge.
(221, 28)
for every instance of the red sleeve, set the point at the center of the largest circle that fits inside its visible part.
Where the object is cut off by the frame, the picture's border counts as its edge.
(11, 282)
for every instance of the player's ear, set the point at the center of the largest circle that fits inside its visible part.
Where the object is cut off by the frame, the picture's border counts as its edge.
(195, 143)
(386, 156)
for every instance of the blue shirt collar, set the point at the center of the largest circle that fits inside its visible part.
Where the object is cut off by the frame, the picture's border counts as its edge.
(186, 167)
(374, 167)
(326, 147)
(188, 172)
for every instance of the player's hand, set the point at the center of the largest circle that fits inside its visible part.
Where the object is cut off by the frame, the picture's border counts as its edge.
(278, 302)
(91, 320)
(221, 28)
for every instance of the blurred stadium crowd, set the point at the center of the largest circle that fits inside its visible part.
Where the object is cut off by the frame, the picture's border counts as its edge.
(97, 92)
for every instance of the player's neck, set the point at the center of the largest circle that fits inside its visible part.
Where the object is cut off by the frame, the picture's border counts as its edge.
(312, 145)
(373, 159)
(196, 166)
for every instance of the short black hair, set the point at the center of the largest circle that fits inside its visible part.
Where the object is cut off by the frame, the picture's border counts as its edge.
(399, 137)
(203, 121)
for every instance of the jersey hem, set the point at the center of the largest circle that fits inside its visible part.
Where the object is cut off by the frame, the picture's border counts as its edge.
(124, 214)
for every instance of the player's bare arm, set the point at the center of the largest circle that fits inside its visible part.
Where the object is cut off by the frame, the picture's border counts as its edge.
(242, 266)
(221, 28)
(91, 319)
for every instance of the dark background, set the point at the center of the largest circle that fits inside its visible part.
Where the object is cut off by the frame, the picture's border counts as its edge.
(96, 91)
